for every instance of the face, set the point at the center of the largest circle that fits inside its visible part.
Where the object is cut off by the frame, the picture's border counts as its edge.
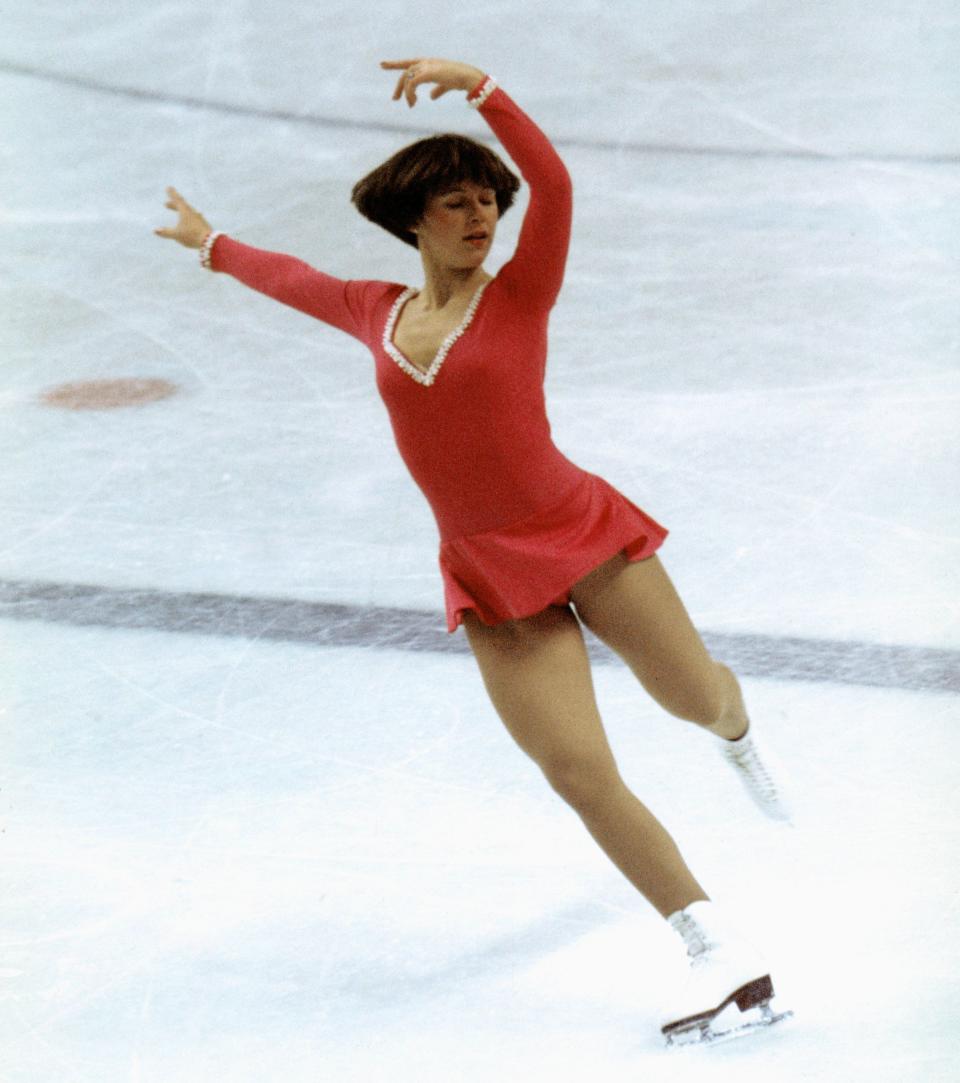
(458, 225)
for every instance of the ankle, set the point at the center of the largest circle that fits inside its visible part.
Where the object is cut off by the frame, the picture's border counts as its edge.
(727, 729)
(732, 723)
(693, 925)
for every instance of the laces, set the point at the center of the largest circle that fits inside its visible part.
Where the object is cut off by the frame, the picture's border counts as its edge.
(693, 937)
(744, 755)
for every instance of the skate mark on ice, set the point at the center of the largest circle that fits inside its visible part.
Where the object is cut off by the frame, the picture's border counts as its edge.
(789, 148)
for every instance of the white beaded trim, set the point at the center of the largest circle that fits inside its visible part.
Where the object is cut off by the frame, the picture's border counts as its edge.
(487, 87)
(427, 378)
(206, 249)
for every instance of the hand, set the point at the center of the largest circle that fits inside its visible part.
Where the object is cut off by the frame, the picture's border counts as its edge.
(447, 74)
(192, 228)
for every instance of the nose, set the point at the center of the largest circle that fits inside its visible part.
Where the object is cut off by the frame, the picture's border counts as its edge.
(480, 211)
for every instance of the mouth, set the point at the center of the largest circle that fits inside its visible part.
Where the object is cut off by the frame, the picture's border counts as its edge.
(479, 238)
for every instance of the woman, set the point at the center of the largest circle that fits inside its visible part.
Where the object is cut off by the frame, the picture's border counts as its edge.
(526, 536)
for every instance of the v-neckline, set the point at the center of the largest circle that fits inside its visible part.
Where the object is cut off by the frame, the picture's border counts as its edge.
(426, 377)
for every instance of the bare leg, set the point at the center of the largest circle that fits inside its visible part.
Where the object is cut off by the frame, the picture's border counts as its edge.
(636, 611)
(538, 676)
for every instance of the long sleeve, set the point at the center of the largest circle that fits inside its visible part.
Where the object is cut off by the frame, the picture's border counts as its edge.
(335, 301)
(535, 273)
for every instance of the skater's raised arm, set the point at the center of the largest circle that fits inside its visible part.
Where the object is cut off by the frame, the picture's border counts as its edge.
(284, 278)
(535, 273)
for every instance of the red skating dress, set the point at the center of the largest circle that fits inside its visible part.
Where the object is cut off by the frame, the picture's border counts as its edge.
(519, 523)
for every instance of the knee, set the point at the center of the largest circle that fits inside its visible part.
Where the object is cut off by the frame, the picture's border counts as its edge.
(585, 781)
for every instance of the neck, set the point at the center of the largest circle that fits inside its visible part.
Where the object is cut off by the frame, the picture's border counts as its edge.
(445, 284)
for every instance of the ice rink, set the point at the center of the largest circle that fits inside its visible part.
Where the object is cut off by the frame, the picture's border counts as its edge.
(258, 820)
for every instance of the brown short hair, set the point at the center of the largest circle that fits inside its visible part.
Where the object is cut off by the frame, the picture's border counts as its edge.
(396, 193)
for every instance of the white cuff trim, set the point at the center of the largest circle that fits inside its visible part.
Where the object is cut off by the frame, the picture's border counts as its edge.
(487, 87)
(206, 249)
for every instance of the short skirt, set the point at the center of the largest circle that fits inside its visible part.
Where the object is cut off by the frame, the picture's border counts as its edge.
(518, 570)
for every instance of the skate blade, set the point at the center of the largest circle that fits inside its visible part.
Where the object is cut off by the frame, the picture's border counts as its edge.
(713, 1031)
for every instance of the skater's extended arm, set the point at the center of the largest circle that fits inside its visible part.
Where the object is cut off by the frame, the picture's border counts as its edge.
(284, 278)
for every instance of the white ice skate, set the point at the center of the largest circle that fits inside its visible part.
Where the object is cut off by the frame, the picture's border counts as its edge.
(729, 991)
(760, 773)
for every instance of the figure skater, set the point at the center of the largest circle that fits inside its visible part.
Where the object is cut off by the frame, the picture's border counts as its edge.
(531, 546)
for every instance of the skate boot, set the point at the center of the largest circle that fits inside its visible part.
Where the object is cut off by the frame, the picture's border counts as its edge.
(729, 989)
(759, 772)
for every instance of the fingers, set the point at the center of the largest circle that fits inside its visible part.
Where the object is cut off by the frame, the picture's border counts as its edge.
(397, 65)
(413, 75)
(409, 82)
(187, 217)
(447, 74)
(176, 202)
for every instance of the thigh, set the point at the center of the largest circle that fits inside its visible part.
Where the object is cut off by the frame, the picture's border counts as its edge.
(537, 674)
(634, 608)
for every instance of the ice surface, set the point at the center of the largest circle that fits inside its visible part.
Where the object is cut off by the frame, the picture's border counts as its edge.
(245, 856)
(251, 860)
